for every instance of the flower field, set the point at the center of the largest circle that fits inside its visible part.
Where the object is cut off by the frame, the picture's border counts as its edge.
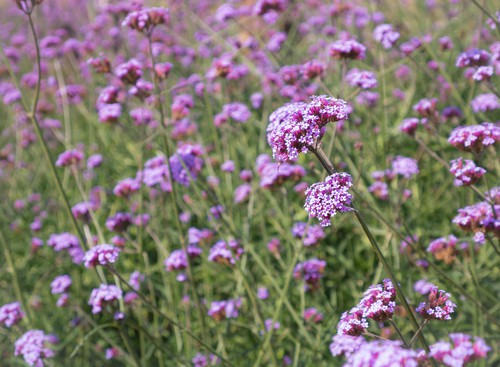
(250, 183)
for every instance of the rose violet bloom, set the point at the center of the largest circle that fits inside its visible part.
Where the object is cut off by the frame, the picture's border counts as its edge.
(227, 253)
(325, 199)
(378, 301)
(348, 49)
(126, 187)
(310, 271)
(103, 296)
(101, 255)
(11, 314)
(406, 167)
(466, 172)
(384, 354)
(178, 260)
(298, 127)
(69, 158)
(438, 307)
(409, 125)
(475, 138)
(146, 19)
(444, 248)
(344, 345)
(485, 102)
(186, 163)
(363, 79)
(474, 57)
(228, 309)
(483, 73)
(479, 218)
(33, 347)
(310, 234)
(313, 315)
(60, 284)
(462, 351)
(352, 323)
(386, 35)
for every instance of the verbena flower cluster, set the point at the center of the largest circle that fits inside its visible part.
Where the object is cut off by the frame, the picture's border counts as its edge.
(438, 307)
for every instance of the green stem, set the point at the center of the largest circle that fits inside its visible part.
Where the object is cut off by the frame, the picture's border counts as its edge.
(329, 168)
(418, 332)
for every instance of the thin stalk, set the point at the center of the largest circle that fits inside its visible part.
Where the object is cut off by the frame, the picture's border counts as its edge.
(418, 332)
(320, 154)
(391, 321)
(169, 319)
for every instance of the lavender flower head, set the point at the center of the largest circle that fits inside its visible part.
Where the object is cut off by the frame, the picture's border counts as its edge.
(324, 199)
(103, 296)
(461, 351)
(385, 35)
(69, 158)
(228, 309)
(344, 345)
(11, 314)
(60, 284)
(438, 307)
(227, 253)
(466, 172)
(145, 20)
(310, 234)
(348, 49)
(33, 347)
(474, 57)
(310, 271)
(385, 353)
(475, 138)
(352, 323)
(298, 127)
(363, 79)
(378, 301)
(485, 102)
(404, 166)
(101, 255)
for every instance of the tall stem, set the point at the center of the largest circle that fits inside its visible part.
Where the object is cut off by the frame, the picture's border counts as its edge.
(320, 154)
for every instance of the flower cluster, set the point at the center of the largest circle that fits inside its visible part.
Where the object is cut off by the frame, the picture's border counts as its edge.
(325, 199)
(227, 253)
(310, 271)
(101, 255)
(404, 166)
(363, 79)
(310, 234)
(348, 49)
(33, 347)
(69, 242)
(475, 138)
(444, 248)
(479, 217)
(386, 35)
(383, 353)
(186, 163)
(11, 314)
(145, 20)
(273, 174)
(438, 306)
(103, 296)
(461, 351)
(466, 172)
(227, 309)
(299, 127)
(69, 158)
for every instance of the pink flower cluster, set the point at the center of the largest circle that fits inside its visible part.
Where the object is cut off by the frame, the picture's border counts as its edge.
(466, 172)
(227, 309)
(33, 347)
(475, 138)
(325, 199)
(438, 307)
(11, 314)
(101, 255)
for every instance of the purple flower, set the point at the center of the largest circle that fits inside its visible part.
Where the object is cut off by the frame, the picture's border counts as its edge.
(135, 280)
(475, 138)
(483, 73)
(225, 252)
(444, 248)
(310, 234)
(186, 163)
(423, 286)
(242, 192)
(11, 314)
(344, 345)
(380, 190)
(473, 57)
(348, 49)
(276, 41)
(110, 112)
(485, 102)
(69, 242)
(33, 347)
(227, 309)
(479, 218)
(426, 107)
(310, 271)
(197, 236)
(313, 69)
(262, 293)
(404, 166)
(386, 35)
(438, 306)
(126, 187)
(227, 166)
(129, 72)
(237, 111)
(69, 158)
(352, 323)
(324, 199)
(178, 260)
(461, 351)
(119, 222)
(385, 353)
(101, 255)
(466, 172)
(312, 314)
(60, 284)
(378, 301)
(103, 296)
(144, 20)
(363, 79)
(409, 125)
(274, 174)
(94, 161)
(298, 127)
(142, 116)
